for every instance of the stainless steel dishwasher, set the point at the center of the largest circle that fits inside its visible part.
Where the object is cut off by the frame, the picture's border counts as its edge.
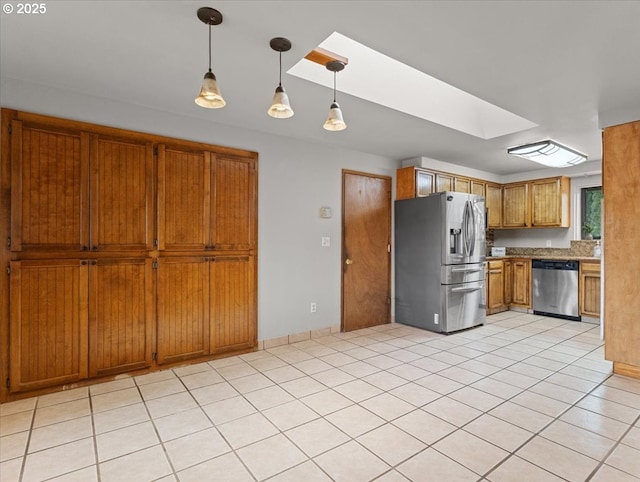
(555, 288)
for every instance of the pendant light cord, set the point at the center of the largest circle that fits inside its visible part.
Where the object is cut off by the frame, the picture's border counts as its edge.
(334, 86)
(209, 47)
(280, 78)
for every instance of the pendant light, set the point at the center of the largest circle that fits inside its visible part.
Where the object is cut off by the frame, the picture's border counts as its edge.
(280, 107)
(210, 96)
(335, 121)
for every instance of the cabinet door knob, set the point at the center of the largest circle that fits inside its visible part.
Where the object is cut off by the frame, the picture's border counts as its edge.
(85, 248)
(349, 261)
(94, 248)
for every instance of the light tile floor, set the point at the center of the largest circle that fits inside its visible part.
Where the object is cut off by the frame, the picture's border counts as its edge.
(523, 398)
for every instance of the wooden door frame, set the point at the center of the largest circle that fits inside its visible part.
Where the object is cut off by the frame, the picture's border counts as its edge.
(342, 236)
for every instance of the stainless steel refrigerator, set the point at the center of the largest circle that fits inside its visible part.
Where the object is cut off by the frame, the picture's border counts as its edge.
(439, 261)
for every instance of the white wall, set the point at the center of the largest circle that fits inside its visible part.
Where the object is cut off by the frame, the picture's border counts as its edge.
(295, 179)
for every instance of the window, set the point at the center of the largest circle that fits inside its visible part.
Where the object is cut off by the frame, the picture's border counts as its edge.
(590, 199)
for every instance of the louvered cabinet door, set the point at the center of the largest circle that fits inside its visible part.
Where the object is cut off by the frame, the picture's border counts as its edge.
(184, 199)
(121, 315)
(233, 303)
(121, 195)
(48, 323)
(234, 203)
(183, 308)
(49, 188)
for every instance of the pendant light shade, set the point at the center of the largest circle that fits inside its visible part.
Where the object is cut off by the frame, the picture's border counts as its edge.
(210, 96)
(335, 120)
(280, 107)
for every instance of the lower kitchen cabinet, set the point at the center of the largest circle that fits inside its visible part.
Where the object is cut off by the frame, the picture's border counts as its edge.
(206, 305)
(589, 289)
(73, 319)
(521, 272)
(121, 315)
(183, 308)
(49, 323)
(496, 288)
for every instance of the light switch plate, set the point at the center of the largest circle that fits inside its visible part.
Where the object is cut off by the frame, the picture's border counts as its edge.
(326, 241)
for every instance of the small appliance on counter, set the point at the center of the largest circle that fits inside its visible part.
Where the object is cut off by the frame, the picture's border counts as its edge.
(498, 251)
(439, 253)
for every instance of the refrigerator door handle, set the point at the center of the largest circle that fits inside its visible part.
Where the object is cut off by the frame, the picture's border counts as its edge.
(465, 229)
(466, 290)
(472, 210)
(466, 270)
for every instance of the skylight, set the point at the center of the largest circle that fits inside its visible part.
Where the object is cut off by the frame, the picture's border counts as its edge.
(377, 78)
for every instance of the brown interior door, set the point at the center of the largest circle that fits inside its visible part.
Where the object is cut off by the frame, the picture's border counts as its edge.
(366, 250)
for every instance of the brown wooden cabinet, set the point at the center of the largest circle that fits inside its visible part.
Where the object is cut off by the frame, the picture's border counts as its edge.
(444, 182)
(207, 305)
(425, 183)
(495, 287)
(414, 182)
(183, 308)
(589, 299)
(49, 188)
(53, 207)
(48, 323)
(515, 205)
(79, 318)
(521, 272)
(127, 251)
(550, 202)
(527, 204)
(621, 188)
(477, 187)
(462, 184)
(121, 315)
(507, 269)
(121, 194)
(494, 205)
(218, 192)
(233, 303)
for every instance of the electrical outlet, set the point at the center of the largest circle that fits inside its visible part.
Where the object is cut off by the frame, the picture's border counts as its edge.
(548, 243)
(314, 307)
(436, 319)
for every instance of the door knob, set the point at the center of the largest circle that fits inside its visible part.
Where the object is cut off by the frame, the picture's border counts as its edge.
(349, 261)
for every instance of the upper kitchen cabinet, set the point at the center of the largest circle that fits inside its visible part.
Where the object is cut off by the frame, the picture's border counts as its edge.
(540, 203)
(494, 205)
(184, 199)
(48, 323)
(71, 190)
(550, 202)
(515, 205)
(206, 201)
(121, 194)
(233, 203)
(462, 184)
(477, 187)
(49, 188)
(444, 182)
(414, 182)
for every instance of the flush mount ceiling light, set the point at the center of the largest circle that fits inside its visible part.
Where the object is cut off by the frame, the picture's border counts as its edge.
(280, 107)
(335, 121)
(550, 153)
(210, 96)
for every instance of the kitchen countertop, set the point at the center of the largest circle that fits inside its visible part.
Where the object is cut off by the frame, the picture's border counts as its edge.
(591, 259)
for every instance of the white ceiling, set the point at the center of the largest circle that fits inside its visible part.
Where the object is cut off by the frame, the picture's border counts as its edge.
(560, 64)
